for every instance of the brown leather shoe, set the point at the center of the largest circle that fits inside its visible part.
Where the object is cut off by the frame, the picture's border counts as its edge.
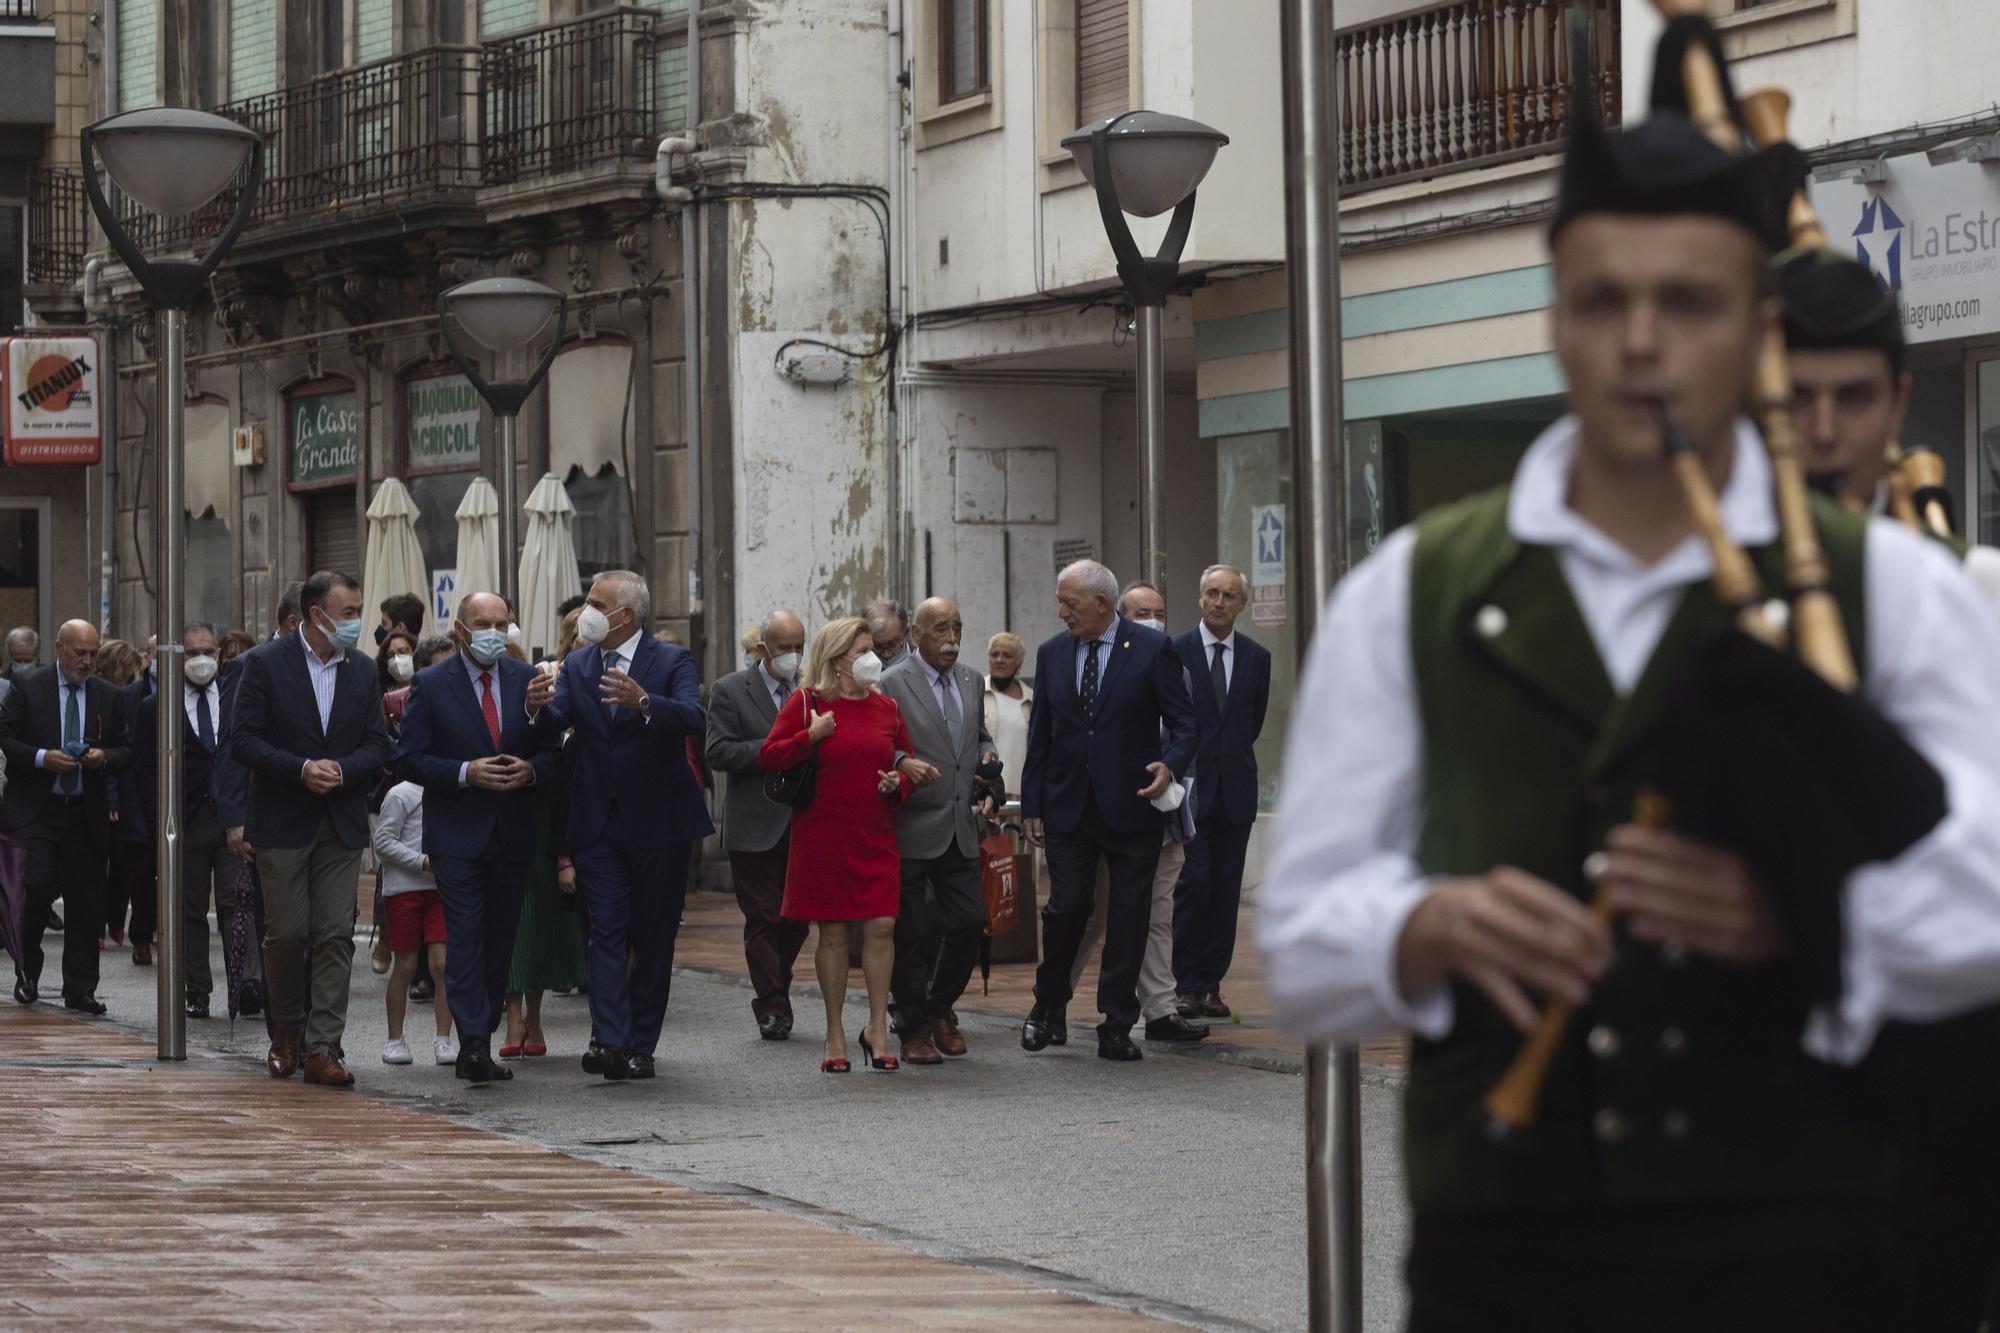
(324, 1068)
(919, 1051)
(283, 1059)
(944, 1036)
(142, 955)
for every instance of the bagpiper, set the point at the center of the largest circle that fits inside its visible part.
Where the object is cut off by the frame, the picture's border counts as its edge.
(1552, 773)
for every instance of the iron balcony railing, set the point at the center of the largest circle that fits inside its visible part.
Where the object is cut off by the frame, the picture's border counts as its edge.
(56, 232)
(444, 121)
(1450, 87)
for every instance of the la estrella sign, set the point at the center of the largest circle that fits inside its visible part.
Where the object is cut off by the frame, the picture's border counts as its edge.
(52, 401)
(324, 430)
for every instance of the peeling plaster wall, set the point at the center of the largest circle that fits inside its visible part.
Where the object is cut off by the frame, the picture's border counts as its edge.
(813, 505)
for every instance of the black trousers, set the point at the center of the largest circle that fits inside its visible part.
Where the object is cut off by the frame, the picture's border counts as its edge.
(938, 926)
(63, 862)
(1746, 1268)
(770, 943)
(131, 888)
(1073, 859)
(208, 868)
(1205, 903)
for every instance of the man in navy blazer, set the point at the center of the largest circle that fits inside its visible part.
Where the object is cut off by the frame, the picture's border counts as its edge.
(1112, 729)
(635, 810)
(1232, 689)
(468, 742)
(306, 723)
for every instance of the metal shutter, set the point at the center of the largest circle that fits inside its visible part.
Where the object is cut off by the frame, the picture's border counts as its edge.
(138, 71)
(1103, 59)
(373, 37)
(330, 527)
(504, 16)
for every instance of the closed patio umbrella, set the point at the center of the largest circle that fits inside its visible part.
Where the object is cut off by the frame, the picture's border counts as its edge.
(394, 562)
(549, 574)
(478, 540)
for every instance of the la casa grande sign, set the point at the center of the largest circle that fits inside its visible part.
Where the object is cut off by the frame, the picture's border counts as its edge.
(53, 401)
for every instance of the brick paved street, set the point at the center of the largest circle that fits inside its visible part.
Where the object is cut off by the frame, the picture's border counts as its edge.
(209, 1196)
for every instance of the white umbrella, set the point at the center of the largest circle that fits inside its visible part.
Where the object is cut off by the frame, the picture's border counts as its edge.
(549, 575)
(478, 540)
(395, 560)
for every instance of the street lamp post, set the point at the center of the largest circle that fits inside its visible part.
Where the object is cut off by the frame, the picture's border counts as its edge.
(504, 315)
(1144, 163)
(170, 161)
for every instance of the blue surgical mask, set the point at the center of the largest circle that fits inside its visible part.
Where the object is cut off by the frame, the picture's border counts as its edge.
(487, 646)
(345, 633)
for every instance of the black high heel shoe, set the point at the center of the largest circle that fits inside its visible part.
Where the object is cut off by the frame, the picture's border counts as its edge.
(888, 1064)
(833, 1065)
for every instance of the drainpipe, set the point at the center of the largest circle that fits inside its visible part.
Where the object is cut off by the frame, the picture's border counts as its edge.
(899, 512)
(691, 218)
(99, 310)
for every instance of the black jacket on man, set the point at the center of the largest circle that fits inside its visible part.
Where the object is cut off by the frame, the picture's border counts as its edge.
(31, 720)
(274, 728)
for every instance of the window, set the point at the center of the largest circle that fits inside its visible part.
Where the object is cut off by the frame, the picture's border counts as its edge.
(332, 34)
(253, 48)
(1103, 59)
(962, 64)
(138, 81)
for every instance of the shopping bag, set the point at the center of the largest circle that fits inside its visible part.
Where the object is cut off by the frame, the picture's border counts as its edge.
(998, 872)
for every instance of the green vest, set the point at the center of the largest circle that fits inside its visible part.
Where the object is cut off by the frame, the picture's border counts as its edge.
(1682, 1079)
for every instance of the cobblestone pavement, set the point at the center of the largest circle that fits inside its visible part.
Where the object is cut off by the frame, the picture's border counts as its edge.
(1171, 1188)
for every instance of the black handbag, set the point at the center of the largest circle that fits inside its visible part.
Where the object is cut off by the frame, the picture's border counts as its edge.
(794, 786)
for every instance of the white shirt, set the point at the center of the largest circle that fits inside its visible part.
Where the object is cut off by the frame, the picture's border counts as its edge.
(191, 692)
(325, 676)
(1922, 932)
(1208, 642)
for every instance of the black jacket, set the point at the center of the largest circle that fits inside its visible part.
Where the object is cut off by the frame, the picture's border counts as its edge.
(274, 729)
(31, 720)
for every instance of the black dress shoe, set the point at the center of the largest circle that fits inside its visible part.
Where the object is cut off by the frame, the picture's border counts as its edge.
(617, 1066)
(475, 1063)
(639, 1066)
(26, 991)
(1039, 1029)
(1190, 1004)
(197, 1006)
(597, 1058)
(1115, 1045)
(1174, 1028)
(421, 991)
(773, 1027)
(250, 999)
(83, 1004)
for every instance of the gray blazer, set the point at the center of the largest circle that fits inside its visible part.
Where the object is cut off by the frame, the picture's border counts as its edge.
(935, 817)
(740, 714)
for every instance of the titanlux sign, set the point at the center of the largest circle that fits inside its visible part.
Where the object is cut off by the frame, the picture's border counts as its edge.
(52, 401)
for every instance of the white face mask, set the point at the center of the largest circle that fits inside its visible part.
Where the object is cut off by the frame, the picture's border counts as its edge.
(1151, 621)
(200, 668)
(867, 669)
(592, 625)
(749, 659)
(402, 666)
(785, 666)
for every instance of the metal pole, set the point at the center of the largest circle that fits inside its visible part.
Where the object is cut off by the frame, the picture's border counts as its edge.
(1152, 395)
(170, 559)
(1319, 469)
(510, 516)
(691, 220)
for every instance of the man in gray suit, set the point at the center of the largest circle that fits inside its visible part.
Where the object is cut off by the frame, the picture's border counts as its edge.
(944, 901)
(756, 831)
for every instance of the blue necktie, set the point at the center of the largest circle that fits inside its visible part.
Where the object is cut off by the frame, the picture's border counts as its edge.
(1089, 687)
(71, 782)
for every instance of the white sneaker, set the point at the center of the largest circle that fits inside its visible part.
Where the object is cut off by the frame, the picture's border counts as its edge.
(396, 1051)
(446, 1050)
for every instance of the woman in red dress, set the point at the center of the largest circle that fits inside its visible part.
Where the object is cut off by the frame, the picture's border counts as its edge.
(844, 866)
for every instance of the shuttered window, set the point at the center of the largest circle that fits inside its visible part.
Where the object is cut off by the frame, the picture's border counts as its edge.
(503, 16)
(962, 55)
(332, 531)
(253, 48)
(138, 78)
(669, 55)
(1103, 59)
(373, 32)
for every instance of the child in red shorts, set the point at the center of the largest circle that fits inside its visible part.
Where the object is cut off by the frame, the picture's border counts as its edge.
(415, 917)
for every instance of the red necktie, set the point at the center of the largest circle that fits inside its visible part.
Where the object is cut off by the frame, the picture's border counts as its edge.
(489, 707)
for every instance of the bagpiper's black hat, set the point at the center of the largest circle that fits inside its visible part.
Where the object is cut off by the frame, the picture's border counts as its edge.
(1832, 301)
(1665, 166)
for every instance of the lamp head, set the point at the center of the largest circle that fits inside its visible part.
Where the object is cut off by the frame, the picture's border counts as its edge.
(172, 160)
(503, 314)
(1157, 160)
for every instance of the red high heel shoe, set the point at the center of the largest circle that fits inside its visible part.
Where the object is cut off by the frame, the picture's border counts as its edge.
(888, 1064)
(835, 1065)
(534, 1048)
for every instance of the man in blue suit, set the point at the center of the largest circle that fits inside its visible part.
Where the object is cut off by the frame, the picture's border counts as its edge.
(306, 723)
(468, 742)
(1232, 689)
(635, 811)
(1112, 730)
